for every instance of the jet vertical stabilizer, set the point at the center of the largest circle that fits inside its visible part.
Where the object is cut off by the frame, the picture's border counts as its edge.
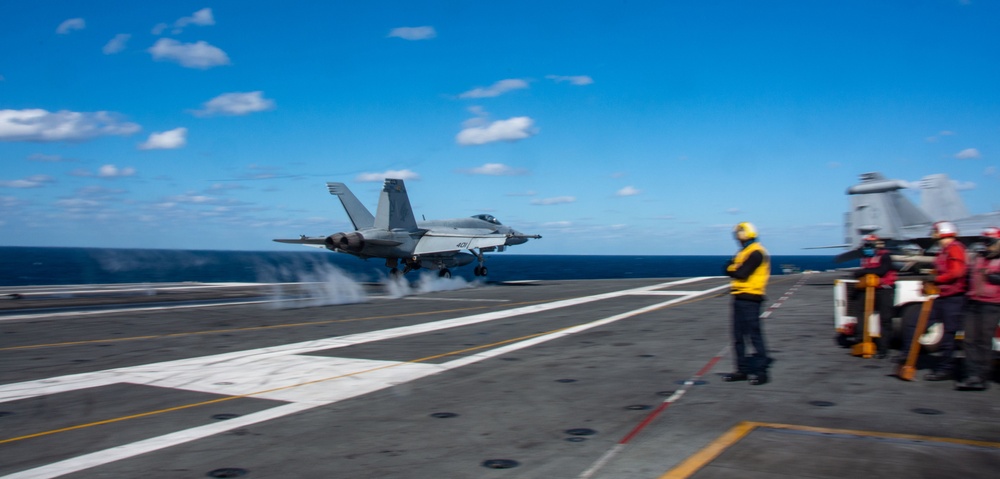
(877, 206)
(394, 210)
(939, 198)
(360, 216)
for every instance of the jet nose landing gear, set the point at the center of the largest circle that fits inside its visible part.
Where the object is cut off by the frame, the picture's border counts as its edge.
(481, 268)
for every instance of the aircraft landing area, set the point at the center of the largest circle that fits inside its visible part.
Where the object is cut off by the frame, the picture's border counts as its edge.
(552, 379)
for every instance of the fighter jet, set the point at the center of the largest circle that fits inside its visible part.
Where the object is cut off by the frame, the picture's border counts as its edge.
(879, 207)
(395, 235)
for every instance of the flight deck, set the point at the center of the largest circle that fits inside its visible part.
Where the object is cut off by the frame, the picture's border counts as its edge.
(552, 379)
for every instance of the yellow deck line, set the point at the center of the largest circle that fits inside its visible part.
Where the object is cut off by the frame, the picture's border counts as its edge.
(707, 454)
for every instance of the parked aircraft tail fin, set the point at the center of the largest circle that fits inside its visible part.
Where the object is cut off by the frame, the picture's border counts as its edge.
(939, 198)
(394, 210)
(877, 206)
(360, 216)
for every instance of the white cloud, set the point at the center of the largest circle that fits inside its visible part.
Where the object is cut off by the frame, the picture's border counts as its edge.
(202, 18)
(935, 138)
(496, 89)
(69, 25)
(42, 125)
(495, 169)
(396, 174)
(525, 193)
(575, 80)
(968, 154)
(78, 203)
(513, 129)
(112, 171)
(413, 33)
(167, 140)
(10, 202)
(192, 198)
(558, 224)
(34, 181)
(192, 55)
(116, 44)
(558, 200)
(627, 191)
(235, 104)
(106, 171)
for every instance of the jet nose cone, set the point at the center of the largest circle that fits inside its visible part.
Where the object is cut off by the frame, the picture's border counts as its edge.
(515, 237)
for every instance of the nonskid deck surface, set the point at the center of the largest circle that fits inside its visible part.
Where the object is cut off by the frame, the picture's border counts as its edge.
(554, 379)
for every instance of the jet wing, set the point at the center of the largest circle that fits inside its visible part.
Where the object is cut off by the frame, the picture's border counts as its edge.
(313, 241)
(456, 239)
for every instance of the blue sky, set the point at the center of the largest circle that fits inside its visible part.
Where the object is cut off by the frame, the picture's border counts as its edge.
(607, 127)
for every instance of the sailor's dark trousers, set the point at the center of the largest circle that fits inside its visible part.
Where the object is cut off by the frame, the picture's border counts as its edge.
(884, 298)
(980, 324)
(746, 324)
(948, 312)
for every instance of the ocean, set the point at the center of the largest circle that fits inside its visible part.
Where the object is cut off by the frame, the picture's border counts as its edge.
(22, 266)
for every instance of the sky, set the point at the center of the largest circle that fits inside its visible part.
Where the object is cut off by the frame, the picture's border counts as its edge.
(613, 127)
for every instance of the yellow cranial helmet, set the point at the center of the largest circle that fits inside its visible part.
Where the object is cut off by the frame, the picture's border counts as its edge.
(748, 230)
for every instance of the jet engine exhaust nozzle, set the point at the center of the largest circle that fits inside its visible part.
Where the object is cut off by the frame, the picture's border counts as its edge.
(352, 242)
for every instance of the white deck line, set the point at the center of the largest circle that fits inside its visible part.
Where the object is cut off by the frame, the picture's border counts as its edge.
(305, 381)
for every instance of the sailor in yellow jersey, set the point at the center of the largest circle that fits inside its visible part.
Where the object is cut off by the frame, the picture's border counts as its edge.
(750, 270)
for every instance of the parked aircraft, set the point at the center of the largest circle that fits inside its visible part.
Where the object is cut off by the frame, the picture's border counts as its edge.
(394, 234)
(879, 207)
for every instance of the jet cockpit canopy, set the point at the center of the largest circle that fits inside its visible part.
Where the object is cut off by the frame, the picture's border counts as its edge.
(489, 219)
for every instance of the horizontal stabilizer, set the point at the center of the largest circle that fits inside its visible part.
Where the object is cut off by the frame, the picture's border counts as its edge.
(313, 241)
(846, 256)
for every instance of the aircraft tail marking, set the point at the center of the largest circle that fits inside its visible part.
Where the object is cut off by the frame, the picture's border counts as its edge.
(360, 216)
(394, 210)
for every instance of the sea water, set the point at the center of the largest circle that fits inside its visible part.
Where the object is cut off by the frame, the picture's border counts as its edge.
(21, 266)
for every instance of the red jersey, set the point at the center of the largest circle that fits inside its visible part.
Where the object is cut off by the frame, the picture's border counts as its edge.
(981, 289)
(874, 263)
(950, 269)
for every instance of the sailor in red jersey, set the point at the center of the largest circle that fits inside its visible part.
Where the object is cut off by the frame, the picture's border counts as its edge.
(950, 270)
(982, 313)
(877, 261)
